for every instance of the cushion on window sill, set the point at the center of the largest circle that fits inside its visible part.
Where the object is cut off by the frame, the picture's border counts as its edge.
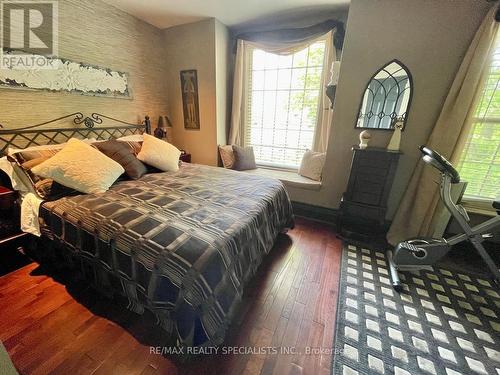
(227, 156)
(288, 178)
(244, 158)
(312, 165)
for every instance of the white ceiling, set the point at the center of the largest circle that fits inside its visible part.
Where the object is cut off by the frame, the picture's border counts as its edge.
(168, 13)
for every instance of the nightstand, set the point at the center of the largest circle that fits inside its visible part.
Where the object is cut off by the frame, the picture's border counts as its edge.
(9, 216)
(185, 157)
(12, 240)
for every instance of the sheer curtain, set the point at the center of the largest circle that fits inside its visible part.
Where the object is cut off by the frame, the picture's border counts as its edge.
(416, 214)
(285, 42)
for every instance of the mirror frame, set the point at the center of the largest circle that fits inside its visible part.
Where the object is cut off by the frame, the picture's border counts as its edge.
(410, 79)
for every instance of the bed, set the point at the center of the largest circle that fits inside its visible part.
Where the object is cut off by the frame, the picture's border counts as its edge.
(181, 244)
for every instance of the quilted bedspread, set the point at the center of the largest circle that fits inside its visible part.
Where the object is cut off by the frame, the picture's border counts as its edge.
(181, 244)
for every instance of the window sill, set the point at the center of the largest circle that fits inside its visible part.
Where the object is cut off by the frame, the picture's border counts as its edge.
(289, 178)
(478, 206)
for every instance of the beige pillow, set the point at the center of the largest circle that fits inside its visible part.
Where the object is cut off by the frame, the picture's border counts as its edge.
(312, 165)
(159, 154)
(81, 167)
(227, 156)
(11, 151)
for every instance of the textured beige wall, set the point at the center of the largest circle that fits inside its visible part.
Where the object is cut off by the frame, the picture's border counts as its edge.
(199, 46)
(430, 37)
(93, 32)
(192, 46)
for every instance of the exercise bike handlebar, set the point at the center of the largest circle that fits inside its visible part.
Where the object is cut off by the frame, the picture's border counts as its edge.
(439, 162)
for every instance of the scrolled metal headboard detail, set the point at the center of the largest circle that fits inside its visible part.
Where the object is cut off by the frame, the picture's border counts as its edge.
(27, 136)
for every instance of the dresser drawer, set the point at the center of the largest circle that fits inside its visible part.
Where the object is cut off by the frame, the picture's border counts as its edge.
(371, 172)
(366, 198)
(364, 187)
(373, 160)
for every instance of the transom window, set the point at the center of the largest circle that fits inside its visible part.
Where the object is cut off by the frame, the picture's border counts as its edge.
(283, 96)
(480, 161)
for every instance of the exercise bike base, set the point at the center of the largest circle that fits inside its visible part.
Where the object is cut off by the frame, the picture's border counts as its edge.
(396, 282)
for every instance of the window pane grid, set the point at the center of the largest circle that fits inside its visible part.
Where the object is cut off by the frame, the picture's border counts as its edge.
(480, 161)
(282, 104)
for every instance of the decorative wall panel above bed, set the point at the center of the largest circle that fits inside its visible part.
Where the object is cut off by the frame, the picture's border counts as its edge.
(101, 35)
(66, 75)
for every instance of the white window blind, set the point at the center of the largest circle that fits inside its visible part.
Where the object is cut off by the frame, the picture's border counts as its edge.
(282, 100)
(480, 161)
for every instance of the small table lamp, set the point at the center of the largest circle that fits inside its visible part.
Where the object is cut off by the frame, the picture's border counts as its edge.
(161, 130)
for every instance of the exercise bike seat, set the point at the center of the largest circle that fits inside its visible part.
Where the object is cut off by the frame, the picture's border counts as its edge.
(439, 162)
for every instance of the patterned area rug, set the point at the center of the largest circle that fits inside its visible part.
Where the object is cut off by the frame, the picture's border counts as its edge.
(444, 323)
(6, 365)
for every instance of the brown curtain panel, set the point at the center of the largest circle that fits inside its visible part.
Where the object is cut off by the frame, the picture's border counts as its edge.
(417, 214)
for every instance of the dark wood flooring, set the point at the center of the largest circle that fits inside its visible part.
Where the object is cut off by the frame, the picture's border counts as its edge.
(54, 326)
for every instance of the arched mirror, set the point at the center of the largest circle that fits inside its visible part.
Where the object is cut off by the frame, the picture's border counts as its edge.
(387, 98)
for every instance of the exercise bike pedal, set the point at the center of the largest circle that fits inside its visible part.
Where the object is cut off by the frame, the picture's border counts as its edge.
(420, 252)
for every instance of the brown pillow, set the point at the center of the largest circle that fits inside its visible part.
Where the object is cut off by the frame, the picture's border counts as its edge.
(124, 155)
(45, 188)
(30, 159)
(227, 156)
(244, 158)
(136, 146)
(50, 190)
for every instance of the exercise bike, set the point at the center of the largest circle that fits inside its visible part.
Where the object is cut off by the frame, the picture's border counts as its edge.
(419, 253)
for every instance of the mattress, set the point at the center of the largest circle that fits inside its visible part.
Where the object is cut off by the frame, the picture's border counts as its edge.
(181, 244)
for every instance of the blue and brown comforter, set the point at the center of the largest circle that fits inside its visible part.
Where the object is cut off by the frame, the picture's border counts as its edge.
(181, 244)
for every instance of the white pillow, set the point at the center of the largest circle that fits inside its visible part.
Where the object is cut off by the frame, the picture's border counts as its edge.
(56, 146)
(131, 138)
(81, 167)
(312, 165)
(159, 154)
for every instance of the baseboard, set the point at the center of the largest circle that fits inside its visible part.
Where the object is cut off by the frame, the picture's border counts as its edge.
(309, 211)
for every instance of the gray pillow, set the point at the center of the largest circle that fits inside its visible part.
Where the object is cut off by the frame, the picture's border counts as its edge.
(244, 158)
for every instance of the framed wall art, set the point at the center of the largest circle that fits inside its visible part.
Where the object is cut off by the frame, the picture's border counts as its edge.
(190, 102)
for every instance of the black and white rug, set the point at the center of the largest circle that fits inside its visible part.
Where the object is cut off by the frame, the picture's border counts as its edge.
(444, 323)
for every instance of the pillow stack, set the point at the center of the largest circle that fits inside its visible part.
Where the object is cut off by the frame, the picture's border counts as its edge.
(81, 167)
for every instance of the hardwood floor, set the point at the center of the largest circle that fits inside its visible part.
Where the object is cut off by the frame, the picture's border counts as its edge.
(50, 327)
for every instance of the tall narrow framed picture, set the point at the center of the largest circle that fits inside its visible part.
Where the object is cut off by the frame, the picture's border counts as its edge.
(190, 103)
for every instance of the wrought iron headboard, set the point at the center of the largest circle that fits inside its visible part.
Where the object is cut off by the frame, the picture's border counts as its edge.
(32, 136)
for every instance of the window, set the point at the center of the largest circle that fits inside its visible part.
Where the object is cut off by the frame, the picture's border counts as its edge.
(480, 161)
(282, 97)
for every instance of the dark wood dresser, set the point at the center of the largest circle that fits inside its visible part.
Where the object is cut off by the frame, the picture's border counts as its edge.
(364, 204)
